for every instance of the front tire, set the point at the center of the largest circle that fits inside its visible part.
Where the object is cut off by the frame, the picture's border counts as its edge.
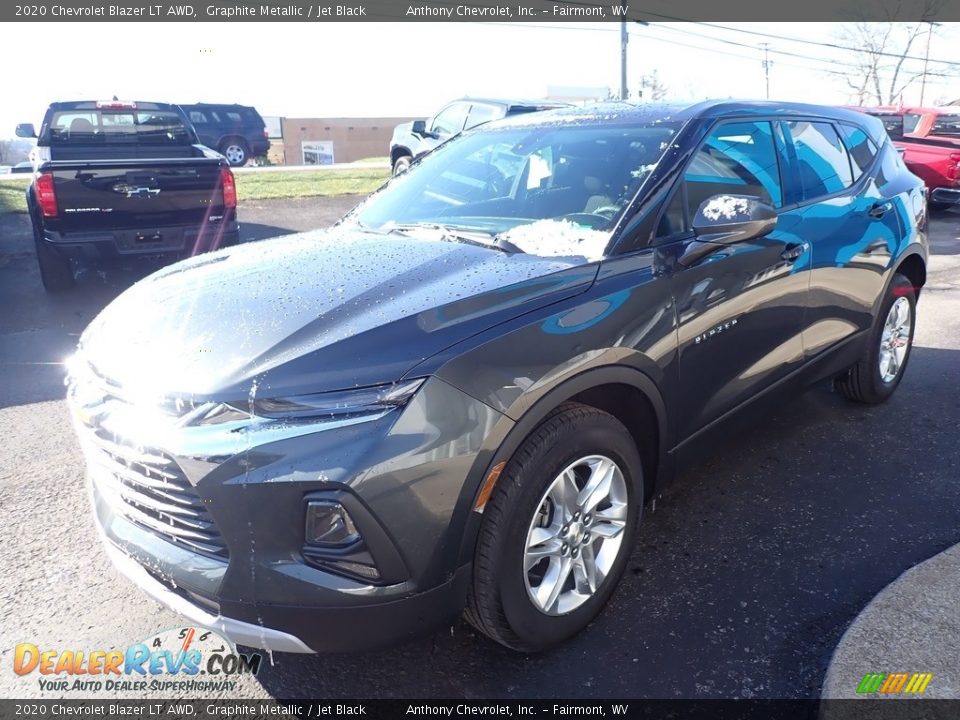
(878, 372)
(401, 164)
(557, 531)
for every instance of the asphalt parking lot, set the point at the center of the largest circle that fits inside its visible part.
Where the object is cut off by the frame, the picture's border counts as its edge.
(742, 583)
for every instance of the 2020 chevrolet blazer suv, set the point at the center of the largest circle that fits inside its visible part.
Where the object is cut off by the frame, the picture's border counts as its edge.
(460, 397)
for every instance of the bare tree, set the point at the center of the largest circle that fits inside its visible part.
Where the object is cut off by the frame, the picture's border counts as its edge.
(652, 87)
(13, 152)
(881, 70)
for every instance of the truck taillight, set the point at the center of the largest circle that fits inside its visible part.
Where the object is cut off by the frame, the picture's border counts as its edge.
(953, 171)
(46, 194)
(229, 188)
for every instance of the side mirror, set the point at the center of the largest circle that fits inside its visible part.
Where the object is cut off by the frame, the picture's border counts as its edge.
(419, 127)
(26, 130)
(726, 219)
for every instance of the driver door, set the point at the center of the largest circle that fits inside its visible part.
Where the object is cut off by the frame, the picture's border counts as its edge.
(739, 307)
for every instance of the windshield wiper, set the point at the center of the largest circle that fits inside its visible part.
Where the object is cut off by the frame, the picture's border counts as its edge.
(470, 236)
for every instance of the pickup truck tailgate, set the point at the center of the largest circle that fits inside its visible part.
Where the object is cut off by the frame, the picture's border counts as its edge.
(138, 193)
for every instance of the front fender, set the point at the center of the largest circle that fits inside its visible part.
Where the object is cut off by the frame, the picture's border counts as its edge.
(534, 406)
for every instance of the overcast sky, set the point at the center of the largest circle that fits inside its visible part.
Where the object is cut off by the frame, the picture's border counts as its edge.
(410, 69)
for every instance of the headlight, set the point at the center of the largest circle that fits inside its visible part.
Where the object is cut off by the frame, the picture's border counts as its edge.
(340, 404)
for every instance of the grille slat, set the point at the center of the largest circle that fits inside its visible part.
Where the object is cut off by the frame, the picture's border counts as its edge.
(164, 489)
(179, 513)
(131, 454)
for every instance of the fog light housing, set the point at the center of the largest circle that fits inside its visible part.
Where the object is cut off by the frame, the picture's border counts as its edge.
(329, 525)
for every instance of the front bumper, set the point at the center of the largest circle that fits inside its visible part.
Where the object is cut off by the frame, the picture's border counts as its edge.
(333, 630)
(410, 471)
(237, 631)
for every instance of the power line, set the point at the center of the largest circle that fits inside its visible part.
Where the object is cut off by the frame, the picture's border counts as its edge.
(835, 46)
(664, 26)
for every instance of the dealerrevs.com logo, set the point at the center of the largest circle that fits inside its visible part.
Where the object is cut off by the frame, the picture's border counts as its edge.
(180, 659)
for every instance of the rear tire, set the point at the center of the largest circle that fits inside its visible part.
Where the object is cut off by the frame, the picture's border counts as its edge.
(533, 586)
(879, 371)
(56, 273)
(235, 151)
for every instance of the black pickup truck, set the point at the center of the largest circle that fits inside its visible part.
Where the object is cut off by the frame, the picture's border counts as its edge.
(124, 180)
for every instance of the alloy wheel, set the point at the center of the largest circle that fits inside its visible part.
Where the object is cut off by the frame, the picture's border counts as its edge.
(576, 535)
(895, 339)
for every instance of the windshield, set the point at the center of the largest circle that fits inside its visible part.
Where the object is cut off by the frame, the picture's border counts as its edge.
(542, 190)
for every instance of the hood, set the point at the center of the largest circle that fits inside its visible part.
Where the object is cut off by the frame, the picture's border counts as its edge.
(403, 131)
(314, 312)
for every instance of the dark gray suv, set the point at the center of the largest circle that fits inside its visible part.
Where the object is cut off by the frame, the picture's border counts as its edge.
(235, 131)
(462, 396)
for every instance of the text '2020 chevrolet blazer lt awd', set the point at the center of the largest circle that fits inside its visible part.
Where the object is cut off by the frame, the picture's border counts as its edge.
(461, 396)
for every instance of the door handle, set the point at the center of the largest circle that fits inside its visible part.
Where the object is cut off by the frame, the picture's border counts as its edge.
(793, 251)
(878, 210)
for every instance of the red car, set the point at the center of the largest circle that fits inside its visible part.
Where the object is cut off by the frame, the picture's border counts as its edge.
(929, 141)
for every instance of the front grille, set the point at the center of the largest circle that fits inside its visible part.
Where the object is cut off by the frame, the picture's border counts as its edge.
(146, 485)
(148, 488)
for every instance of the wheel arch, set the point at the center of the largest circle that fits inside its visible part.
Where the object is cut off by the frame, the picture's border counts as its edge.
(914, 268)
(625, 392)
(397, 152)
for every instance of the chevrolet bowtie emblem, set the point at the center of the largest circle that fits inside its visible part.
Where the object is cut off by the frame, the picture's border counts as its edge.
(140, 192)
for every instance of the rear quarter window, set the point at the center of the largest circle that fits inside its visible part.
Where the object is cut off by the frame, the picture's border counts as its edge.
(946, 125)
(861, 148)
(823, 165)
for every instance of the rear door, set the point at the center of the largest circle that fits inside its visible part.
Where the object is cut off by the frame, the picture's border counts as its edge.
(849, 214)
(205, 123)
(740, 307)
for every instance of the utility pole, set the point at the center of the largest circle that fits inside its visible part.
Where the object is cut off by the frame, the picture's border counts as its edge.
(926, 61)
(624, 40)
(766, 66)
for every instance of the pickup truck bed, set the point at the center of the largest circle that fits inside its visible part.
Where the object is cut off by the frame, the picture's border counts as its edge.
(929, 142)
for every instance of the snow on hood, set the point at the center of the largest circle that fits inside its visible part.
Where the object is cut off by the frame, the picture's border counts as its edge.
(558, 238)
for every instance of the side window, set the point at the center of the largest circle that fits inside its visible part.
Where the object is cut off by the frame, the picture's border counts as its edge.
(861, 147)
(894, 124)
(823, 163)
(450, 120)
(946, 125)
(480, 114)
(910, 122)
(737, 158)
(75, 126)
(197, 117)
